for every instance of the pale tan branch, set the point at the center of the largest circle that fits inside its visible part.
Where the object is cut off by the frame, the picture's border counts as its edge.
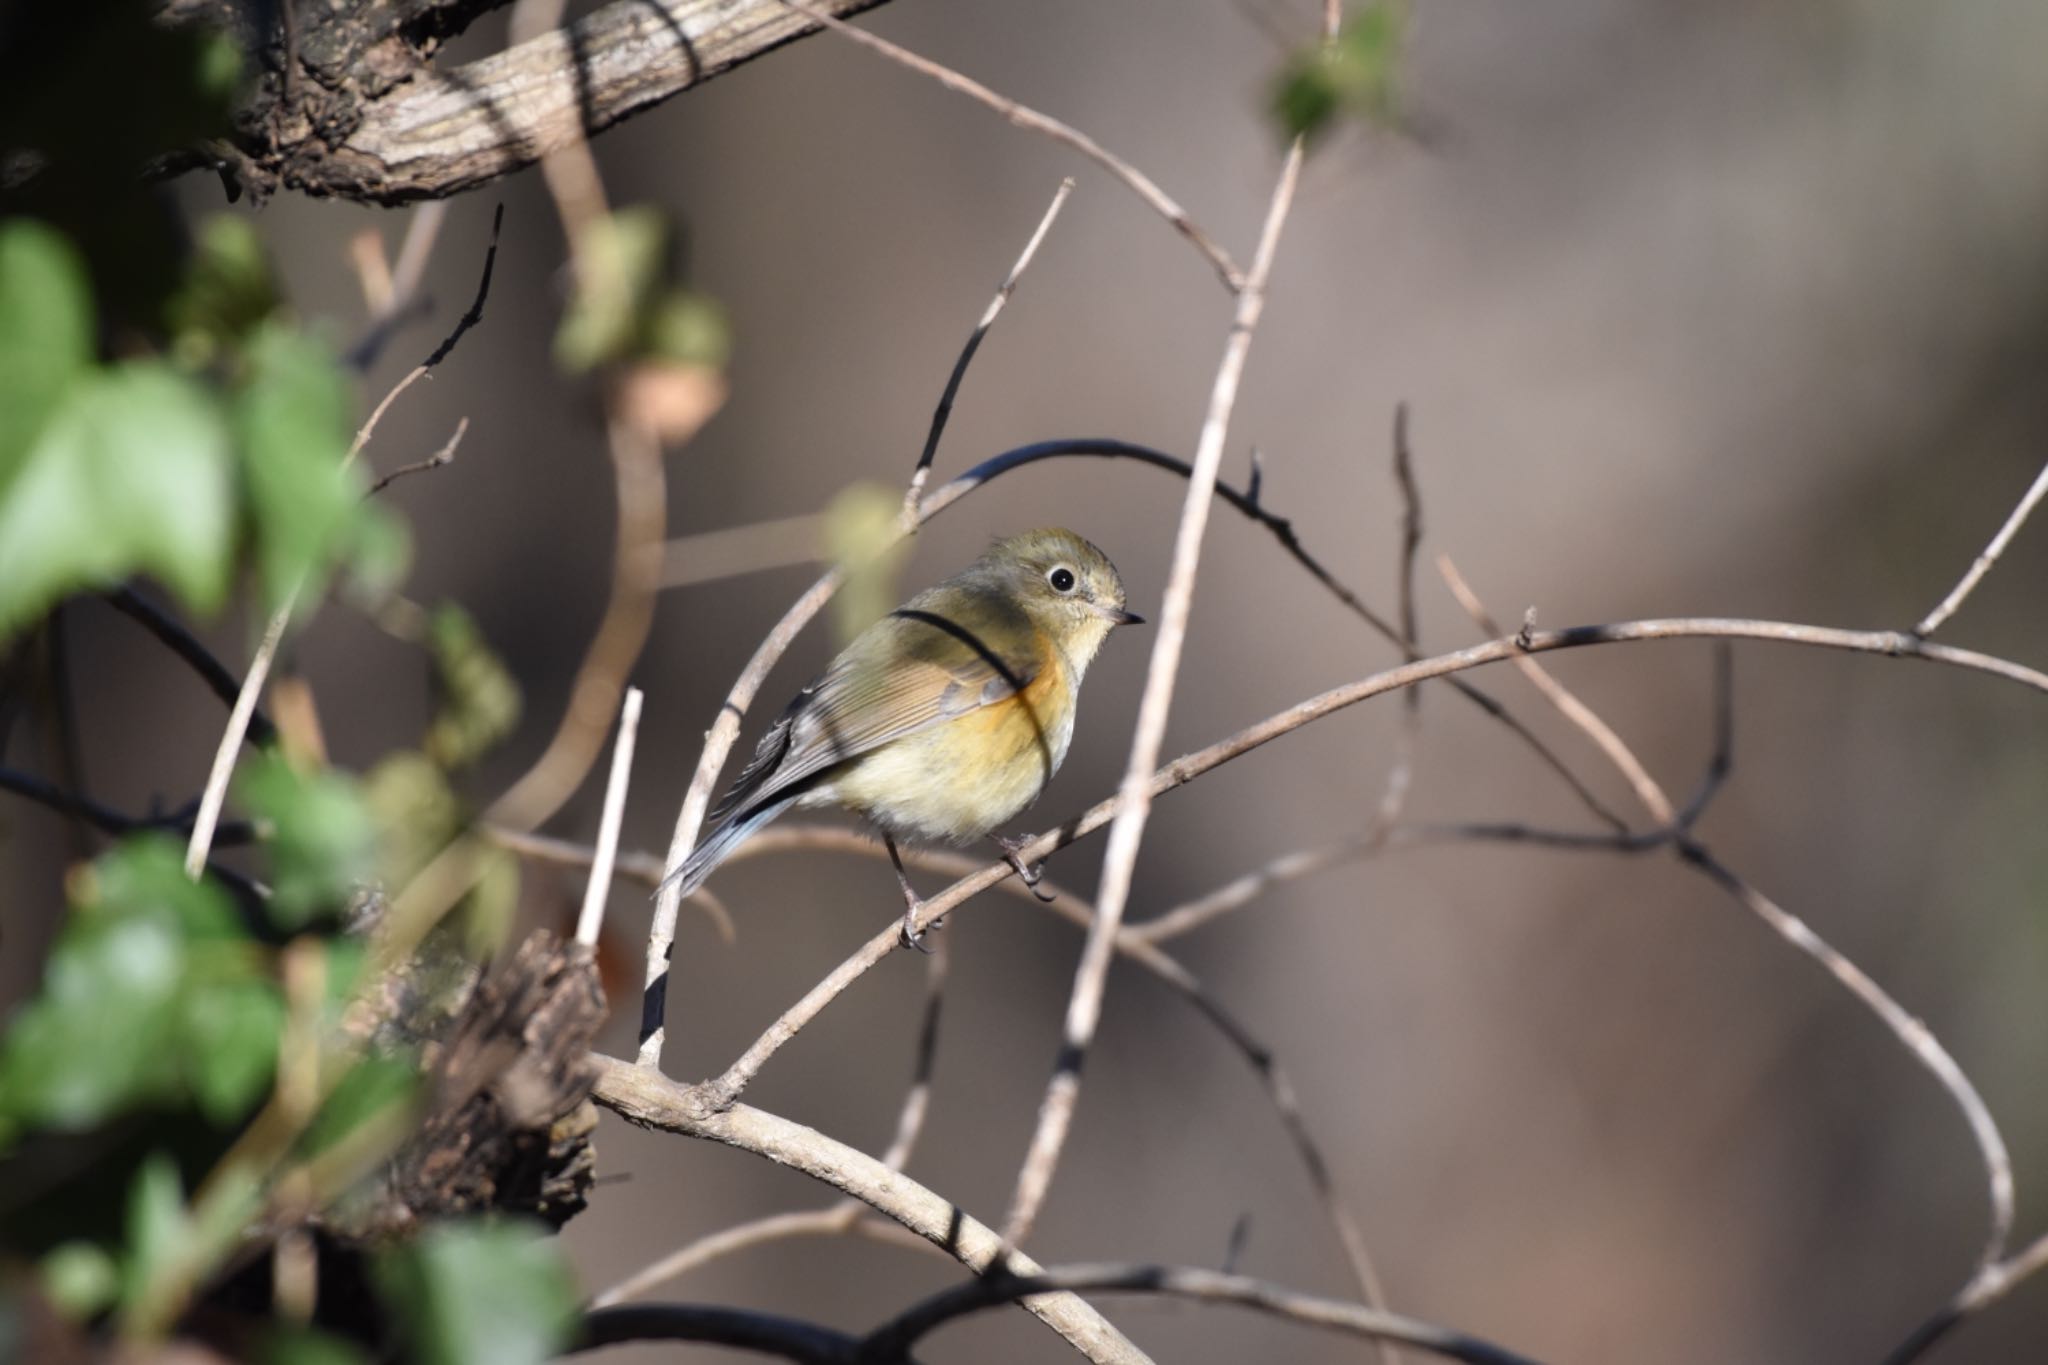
(1982, 564)
(1127, 831)
(591, 919)
(1646, 787)
(645, 1097)
(1892, 644)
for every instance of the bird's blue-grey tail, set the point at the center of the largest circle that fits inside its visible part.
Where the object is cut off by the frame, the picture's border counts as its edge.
(729, 835)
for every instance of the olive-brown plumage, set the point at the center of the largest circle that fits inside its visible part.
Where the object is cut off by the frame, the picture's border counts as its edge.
(947, 717)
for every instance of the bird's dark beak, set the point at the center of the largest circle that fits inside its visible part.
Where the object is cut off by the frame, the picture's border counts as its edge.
(1117, 616)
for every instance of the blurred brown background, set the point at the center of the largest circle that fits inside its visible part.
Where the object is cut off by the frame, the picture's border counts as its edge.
(1735, 309)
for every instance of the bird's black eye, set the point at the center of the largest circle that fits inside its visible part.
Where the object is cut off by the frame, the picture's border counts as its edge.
(1061, 578)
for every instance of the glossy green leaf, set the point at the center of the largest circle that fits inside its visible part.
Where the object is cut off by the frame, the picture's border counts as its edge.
(129, 473)
(481, 1292)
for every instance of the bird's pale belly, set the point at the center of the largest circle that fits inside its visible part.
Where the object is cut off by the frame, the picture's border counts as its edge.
(967, 777)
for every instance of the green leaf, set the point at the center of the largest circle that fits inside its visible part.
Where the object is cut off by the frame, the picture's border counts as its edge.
(228, 290)
(322, 840)
(482, 1292)
(291, 419)
(1358, 74)
(128, 474)
(619, 267)
(479, 700)
(151, 992)
(159, 1233)
(690, 328)
(46, 329)
(230, 1045)
(860, 533)
(80, 1279)
(304, 1346)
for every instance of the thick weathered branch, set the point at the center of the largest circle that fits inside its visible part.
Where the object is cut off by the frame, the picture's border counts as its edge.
(363, 114)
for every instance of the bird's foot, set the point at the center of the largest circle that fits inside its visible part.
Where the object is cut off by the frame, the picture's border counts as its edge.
(1028, 873)
(912, 937)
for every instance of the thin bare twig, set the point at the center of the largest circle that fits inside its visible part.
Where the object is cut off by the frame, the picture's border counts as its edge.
(1568, 705)
(893, 1340)
(731, 551)
(244, 708)
(1023, 117)
(230, 747)
(1918, 1040)
(944, 411)
(846, 1218)
(591, 919)
(1120, 858)
(1990, 1284)
(839, 1219)
(197, 656)
(469, 319)
(445, 455)
(1948, 605)
(644, 1096)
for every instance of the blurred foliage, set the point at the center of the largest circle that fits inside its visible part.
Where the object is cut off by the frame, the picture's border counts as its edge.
(321, 837)
(626, 306)
(152, 997)
(195, 1049)
(485, 1292)
(478, 702)
(170, 467)
(860, 532)
(1356, 75)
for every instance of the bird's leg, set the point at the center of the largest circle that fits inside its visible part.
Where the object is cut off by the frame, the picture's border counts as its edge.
(1030, 873)
(911, 903)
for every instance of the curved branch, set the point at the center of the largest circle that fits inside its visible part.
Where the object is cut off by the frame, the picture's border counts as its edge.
(894, 1339)
(643, 1096)
(1891, 643)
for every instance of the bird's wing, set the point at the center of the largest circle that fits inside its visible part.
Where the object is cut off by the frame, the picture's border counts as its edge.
(915, 668)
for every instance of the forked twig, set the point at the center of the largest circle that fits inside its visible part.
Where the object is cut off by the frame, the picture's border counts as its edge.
(1982, 565)
(944, 411)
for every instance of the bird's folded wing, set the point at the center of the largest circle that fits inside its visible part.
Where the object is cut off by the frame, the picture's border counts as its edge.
(921, 670)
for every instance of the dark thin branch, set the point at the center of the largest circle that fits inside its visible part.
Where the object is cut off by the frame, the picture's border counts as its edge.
(111, 821)
(766, 1333)
(889, 1343)
(197, 656)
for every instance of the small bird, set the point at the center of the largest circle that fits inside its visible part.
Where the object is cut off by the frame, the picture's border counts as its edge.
(945, 718)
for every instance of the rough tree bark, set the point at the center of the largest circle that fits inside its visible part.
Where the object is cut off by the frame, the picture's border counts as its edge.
(349, 102)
